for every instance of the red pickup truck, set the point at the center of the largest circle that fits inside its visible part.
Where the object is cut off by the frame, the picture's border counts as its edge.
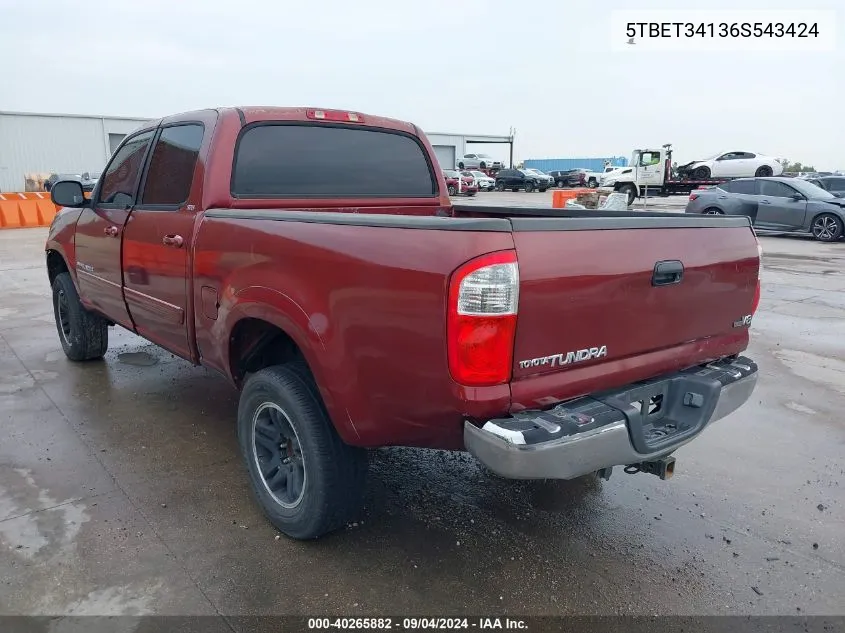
(314, 259)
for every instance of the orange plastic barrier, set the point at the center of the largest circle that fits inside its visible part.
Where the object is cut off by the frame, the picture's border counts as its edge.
(22, 210)
(560, 196)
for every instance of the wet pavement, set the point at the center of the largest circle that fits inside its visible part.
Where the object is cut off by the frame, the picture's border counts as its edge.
(122, 491)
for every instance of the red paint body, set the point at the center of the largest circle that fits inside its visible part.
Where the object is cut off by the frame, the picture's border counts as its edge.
(367, 305)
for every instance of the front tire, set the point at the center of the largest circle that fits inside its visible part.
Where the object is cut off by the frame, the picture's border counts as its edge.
(306, 479)
(500, 186)
(560, 184)
(631, 192)
(701, 173)
(452, 191)
(83, 334)
(713, 211)
(764, 171)
(592, 184)
(460, 165)
(529, 187)
(827, 228)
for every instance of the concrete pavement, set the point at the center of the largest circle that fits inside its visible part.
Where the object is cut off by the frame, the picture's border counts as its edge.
(122, 491)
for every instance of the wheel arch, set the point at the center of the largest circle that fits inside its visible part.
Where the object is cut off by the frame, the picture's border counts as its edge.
(261, 334)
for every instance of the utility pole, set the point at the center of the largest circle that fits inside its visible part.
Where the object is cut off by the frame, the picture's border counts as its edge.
(511, 134)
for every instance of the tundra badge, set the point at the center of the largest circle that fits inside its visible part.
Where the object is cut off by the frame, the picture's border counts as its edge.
(555, 360)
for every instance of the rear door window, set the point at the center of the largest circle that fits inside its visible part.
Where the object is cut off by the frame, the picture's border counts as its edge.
(775, 189)
(171, 169)
(323, 161)
(748, 187)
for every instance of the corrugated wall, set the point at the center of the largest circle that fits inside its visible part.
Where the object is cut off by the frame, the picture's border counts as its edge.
(39, 144)
(562, 164)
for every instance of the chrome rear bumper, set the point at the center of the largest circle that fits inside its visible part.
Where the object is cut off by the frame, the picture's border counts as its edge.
(612, 428)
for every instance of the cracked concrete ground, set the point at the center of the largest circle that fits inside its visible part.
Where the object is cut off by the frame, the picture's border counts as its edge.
(122, 492)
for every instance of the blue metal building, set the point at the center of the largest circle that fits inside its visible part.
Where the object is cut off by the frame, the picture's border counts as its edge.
(562, 164)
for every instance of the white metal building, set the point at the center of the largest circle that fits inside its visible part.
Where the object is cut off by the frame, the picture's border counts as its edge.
(35, 145)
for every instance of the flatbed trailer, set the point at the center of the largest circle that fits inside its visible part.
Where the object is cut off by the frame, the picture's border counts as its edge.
(654, 177)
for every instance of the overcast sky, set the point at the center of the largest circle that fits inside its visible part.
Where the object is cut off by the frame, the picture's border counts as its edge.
(469, 66)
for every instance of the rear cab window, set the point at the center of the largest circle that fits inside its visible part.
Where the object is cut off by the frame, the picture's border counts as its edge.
(302, 160)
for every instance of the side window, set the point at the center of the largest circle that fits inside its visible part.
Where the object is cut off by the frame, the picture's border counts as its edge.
(120, 179)
(775, 189)
(748, 155)
(649, 158)
(835, 184)
(748, 187)
(172, 165)
(730, 187)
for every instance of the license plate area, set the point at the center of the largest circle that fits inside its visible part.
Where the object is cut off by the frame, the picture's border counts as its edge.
(661, 413)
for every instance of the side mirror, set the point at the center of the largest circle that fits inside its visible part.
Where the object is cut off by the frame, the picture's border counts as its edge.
(797, 196)
(68, 193)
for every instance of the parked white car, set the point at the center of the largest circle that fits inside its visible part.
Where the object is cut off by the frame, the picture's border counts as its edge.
(484, 182)
(733, 164)
(595, 178)
(478, 161)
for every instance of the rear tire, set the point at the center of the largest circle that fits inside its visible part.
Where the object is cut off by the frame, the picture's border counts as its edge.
(763, 171)
(306, 479)
(712, 211)
(592, 184)
(500, 186)
(83, 334)
(701, 173)
(560, 184)
(460, 165)
(452, 191)
(470, 194)
(827, 228)
(483, 166)
(543, 190)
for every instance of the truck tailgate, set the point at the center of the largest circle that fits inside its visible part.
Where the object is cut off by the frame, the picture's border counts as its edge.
(603, 291)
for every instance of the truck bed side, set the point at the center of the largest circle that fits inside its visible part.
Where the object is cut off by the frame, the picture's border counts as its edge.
(364, 298)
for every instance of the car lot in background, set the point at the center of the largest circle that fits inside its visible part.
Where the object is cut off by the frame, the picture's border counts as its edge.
(833, 184)
(482, 180)
(478, 161)
(733, 164)
(569, 177)
(87, 179)
(775, 204)
(466, 187)
(516, 179)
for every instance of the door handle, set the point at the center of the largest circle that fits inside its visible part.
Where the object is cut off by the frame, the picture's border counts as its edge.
(667, 273)
(111, 231)
(765, 202)
(723, 198)
(175, 241)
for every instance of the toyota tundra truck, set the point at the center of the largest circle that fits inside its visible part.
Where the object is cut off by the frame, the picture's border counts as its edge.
(314, 259)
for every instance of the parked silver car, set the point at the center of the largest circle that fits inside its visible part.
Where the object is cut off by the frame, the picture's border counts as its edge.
(478, 161)
(775, 204)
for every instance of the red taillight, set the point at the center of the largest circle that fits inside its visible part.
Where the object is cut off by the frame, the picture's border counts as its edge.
(693, 196)
(481, 323)
(334, 115)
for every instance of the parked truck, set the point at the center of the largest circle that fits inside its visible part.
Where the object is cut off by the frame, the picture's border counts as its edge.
(314, 259)
(651, 173)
